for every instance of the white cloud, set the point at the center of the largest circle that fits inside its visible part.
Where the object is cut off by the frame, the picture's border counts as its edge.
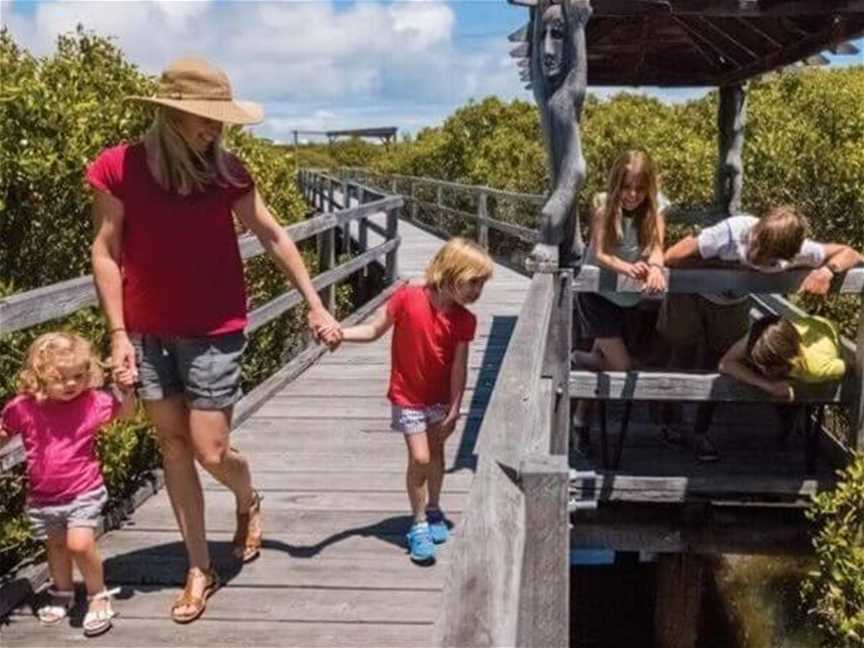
(336, 65)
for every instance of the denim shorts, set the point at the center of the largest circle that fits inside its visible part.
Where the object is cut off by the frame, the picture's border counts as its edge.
(206, 370)
(81, 512)
(411, 420)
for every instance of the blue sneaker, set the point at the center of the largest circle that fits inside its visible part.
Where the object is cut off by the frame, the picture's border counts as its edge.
(437, 526)
(420, 545)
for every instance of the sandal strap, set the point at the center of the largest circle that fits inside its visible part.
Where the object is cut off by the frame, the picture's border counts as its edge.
(64, 594)
(104, 594)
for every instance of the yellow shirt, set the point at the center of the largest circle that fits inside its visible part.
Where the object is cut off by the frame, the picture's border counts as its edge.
(819, 358)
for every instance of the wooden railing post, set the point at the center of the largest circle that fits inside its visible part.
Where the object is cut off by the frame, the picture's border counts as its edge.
(327, 261)
(392, 258)
(413, 191)
(556, 364)
(330, 192)
(393, 185)
(482, 213)
(858, 430)
(346, 228)
(544, 593)
(363, 236)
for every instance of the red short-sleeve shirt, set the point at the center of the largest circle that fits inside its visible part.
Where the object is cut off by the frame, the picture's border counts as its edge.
(423, 348)
(181, 266)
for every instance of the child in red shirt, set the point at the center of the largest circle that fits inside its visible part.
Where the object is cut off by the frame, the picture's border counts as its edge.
(58, 412)
(429, 358)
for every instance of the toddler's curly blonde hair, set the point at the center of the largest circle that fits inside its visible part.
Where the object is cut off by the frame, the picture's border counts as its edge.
(458, 262)
(51, 350)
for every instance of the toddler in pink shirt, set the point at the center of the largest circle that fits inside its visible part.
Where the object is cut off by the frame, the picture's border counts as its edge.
(58, 412)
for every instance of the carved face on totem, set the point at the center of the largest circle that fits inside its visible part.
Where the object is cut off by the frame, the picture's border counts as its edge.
(554, 29)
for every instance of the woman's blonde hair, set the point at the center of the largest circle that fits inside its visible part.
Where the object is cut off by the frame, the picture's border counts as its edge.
(50, 350)
(180, 168)
(458, 262)
(773, 344)
(639, 162)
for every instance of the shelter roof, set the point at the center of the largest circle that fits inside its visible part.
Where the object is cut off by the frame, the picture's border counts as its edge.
(709, 42)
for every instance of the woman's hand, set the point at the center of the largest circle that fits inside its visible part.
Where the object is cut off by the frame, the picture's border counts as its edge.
(655, 281)
(123, 357)
(324, 327)
(638, 270)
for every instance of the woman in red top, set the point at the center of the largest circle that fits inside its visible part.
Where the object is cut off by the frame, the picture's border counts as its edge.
(428, 363)
(170, 277)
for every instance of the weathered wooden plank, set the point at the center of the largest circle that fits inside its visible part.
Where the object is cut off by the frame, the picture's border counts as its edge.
(544, 597)
(357, 482)
(647, 385)
(730, 8)
(487, 563)
(146, 633)
(715, 280)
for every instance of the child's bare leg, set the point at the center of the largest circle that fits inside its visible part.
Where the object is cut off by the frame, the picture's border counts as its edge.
(436, 464)
(417, 474)
(59, 562)
(81, 542)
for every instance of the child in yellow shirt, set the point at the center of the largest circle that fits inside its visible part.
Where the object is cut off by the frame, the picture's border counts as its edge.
(776, 349)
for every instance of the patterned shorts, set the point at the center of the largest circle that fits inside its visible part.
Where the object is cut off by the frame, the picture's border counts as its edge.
(411, 420)
(54, 519)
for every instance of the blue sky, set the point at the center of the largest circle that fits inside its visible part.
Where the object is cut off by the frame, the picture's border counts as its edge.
(314, 65)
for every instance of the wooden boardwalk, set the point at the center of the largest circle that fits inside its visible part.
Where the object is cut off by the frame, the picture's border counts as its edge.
(333, 570)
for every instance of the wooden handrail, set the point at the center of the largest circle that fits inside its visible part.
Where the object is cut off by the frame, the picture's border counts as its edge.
(33, 307)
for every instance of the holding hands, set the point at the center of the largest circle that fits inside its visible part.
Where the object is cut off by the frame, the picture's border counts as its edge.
(650, 274)
(324, 327)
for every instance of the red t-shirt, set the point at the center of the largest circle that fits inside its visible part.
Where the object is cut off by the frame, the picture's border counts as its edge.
(59, 440)
(181, 267)
(424, 344)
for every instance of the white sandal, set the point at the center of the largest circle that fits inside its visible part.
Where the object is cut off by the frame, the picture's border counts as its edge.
(97, 623)
(57, 608)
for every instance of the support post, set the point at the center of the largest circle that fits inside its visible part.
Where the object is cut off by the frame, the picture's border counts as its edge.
(439, 196)
(346, 228)
(858, 377)
(731, 123)
(363, 224)
(412, 191)
(327, 261)
(393, 187)
(544, 596)
(556, 363)
(482, 212)
(330, 192)
(392, 258)
(679, 599)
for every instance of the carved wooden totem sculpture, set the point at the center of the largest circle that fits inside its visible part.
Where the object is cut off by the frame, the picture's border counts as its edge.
(553, 59)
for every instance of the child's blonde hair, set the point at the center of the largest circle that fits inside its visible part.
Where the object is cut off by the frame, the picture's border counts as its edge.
(779, 234)
(458, 262)
(639, 162)
(50, 350)
(773, 344)
(180, 168)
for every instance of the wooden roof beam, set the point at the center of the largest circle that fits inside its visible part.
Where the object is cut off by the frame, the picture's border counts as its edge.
(732, 8)
(706, 46)
(723, 35)
(838, 31)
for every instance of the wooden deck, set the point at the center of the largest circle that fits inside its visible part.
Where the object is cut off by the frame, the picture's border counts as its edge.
(333, 570)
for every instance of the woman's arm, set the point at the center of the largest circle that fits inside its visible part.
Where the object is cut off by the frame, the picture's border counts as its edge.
(655, 280)
(253, 213)
(105, 260)
(734, 363)
(370, 331)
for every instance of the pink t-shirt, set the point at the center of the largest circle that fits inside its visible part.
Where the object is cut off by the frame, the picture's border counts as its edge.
(423, 348)
(181, 267)
(59, 439)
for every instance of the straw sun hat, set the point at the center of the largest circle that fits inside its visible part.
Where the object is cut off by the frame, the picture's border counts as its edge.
(193, 85)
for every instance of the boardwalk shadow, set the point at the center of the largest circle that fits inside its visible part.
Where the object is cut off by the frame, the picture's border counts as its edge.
(499, 340)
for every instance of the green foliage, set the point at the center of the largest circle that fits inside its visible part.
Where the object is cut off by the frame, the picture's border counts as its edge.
(834, 591)
(56, 114)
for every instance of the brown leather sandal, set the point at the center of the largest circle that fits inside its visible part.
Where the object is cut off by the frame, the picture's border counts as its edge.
(197, 603)
(247, 538)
